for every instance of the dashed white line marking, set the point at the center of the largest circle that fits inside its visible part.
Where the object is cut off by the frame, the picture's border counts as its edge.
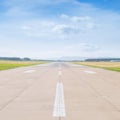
(90, 72)
(29, 71)
(60, 73)
(59, 105)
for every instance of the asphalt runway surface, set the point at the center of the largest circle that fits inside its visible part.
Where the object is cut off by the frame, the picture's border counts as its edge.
(59, 91)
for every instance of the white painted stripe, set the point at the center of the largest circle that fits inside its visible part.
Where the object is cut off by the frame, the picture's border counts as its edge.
(59, 105)
(29, 71)
(60, 73)
(90, 72)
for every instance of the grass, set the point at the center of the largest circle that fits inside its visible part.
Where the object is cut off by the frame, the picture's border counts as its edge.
(114, 66)
(4, 65)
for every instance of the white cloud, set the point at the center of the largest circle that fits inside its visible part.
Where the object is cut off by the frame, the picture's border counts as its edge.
(26, 27)
(76, 24)
(65, 29)
(38, 28)
(89, 47)
(92, 25)
(79, 31)
(64, 16)
(80, 19)
(84, 47)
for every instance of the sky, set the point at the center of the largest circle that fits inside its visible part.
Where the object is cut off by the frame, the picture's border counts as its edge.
(59, 28)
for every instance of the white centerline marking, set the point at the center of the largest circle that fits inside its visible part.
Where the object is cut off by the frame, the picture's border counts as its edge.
(29, 71)
(90, 72)
(59, 106)
(60, 73)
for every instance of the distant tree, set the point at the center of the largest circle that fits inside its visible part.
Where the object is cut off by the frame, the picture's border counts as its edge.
(102, 59)
(26, 59)
(10, 58)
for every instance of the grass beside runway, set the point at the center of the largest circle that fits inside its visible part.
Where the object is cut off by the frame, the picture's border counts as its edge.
(4, 65)
(114, 66)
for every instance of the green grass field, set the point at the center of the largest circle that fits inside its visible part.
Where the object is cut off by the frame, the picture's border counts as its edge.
(4, 65)
(114, 66)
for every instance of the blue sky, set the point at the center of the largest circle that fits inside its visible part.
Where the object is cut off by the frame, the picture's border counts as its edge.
(51, 29)
(104, 4)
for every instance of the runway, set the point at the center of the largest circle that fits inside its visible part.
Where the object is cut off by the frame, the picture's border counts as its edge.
(59, 91)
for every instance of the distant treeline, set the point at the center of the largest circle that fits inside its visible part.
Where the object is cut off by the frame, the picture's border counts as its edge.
(103, 59)
(15, 58)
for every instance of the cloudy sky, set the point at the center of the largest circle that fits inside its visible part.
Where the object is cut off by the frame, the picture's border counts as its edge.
(56, 28)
